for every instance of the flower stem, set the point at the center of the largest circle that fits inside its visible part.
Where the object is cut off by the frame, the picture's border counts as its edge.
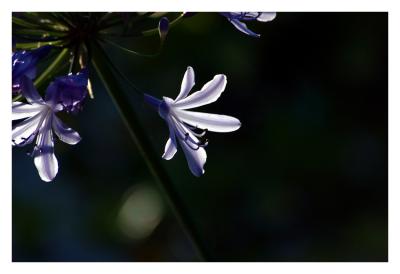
(35, 45)
(130, 51)
(102, 65)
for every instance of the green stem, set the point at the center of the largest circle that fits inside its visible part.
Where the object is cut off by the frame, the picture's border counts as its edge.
(38, 32)
(130, 51)
(16, 98)
(22, 23)
(56, 63)
(102, 65)
(35, 45)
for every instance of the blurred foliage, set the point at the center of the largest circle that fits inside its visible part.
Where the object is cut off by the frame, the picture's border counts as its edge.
(304, 179)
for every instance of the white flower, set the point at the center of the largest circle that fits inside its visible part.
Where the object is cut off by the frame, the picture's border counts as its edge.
(39, 122)
(184, 125)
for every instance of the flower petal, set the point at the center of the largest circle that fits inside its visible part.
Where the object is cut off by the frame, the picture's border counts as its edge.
(243, 28)
(44, 158)
(170, 146)
(24, 62)
(247, 16)
(195, 158)
(266, 16)
(209, 121)
(24, 132)
(21, 110)
(187, 84)
(31, 73)
(170, 149)
(250, 16)
(208, 94)
(64, 133)
(29, 91)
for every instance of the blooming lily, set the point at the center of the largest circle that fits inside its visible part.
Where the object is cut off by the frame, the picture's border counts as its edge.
(40, 121)
(24, 64)
(184, 125)
(236, 17)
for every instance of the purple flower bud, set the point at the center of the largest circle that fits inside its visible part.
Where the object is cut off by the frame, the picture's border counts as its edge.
(68, 92)
(163, 27)
(24, 64)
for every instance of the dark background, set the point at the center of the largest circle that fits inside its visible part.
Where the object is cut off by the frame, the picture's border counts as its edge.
(304, 179)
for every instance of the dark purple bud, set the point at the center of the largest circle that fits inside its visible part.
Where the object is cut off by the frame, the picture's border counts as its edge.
(24, 64)
(163, 27)
(68, 92)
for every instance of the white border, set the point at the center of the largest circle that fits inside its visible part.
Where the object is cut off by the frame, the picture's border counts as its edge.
(201, 5)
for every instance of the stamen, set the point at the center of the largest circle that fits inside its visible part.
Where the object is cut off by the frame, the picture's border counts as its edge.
(24, 140)
(184, 133)
(63, 105)
(201, 134)
(190, 142)
(34, 151)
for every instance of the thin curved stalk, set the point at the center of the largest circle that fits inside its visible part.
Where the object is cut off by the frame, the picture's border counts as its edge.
(137, 90)
(102, 66)
(130, 51)
(146, 33)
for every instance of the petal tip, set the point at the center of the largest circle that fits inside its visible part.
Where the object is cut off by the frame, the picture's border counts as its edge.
(47, 166)
(77, 140)
(166, 157)
(47, 179)
(199, 173)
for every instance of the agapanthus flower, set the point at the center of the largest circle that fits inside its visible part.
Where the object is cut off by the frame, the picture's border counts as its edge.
(189, 127)
(24, 64)
(236, 17)
(40, 121)
(69, 91)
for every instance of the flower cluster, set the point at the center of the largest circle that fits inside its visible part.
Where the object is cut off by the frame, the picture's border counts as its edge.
(38, 115)
(35, 117)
